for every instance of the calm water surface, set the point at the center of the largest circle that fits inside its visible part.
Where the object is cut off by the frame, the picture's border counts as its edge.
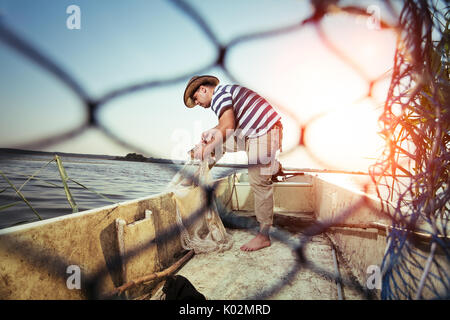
(117, 180)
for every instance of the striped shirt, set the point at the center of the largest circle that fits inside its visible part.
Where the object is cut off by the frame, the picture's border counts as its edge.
(254, 116)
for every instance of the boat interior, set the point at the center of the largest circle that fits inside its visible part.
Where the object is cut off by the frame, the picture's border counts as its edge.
(324, 240)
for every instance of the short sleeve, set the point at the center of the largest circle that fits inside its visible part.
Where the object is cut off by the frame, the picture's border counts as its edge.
(221, 102)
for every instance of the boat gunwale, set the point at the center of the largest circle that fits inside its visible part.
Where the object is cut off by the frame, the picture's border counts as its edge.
(75, 215)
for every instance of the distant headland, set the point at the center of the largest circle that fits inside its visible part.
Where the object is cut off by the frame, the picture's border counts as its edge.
(141, 158)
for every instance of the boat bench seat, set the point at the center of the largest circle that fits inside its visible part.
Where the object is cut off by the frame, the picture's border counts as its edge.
(289, 197)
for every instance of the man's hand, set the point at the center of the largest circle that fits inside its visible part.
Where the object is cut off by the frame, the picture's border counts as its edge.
(202, 151)
(216, 136)
(208, 151)
(197, 152)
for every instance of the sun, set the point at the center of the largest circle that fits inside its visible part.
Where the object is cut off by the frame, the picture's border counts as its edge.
(347, 138)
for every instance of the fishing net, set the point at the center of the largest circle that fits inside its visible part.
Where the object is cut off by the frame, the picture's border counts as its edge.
(206, 233)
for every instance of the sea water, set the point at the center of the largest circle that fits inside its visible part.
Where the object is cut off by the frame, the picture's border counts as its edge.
(114, 179)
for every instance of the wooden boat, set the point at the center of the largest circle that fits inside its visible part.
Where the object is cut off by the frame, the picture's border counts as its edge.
(92, 253)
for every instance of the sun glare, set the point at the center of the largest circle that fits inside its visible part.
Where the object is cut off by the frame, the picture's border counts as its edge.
(331, 96)
(348, 137)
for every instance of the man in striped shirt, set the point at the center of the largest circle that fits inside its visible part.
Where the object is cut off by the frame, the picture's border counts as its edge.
(247, 122)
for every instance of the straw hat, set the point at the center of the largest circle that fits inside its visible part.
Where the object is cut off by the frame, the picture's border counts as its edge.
(194, 84)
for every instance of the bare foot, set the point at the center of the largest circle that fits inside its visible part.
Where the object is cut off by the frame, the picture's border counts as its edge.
(258, 242)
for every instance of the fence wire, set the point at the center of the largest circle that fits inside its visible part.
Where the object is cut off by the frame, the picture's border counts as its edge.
(416, 125)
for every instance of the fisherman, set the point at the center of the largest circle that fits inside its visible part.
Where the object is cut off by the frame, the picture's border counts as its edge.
(247, 122)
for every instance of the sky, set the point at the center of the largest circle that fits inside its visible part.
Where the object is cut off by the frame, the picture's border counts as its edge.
(121, 43)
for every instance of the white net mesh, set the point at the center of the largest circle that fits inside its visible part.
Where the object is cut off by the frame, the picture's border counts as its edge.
(206, 233)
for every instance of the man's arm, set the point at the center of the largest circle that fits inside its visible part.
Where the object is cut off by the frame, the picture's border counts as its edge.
(227, 123)
(223, 131)
(219, 133)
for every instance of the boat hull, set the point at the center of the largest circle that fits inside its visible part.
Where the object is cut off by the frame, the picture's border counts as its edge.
(114, 244)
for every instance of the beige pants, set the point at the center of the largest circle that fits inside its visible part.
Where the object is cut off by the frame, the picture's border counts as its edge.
(261, 152)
